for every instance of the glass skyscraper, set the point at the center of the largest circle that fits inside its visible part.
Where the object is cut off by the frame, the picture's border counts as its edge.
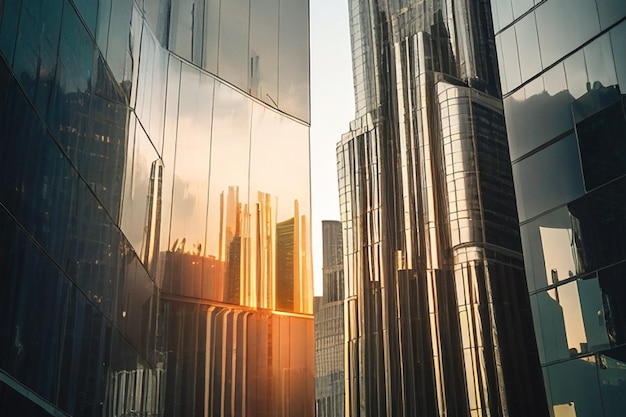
(563, 69)
(155, 208)
(438, 320)
(329, 327)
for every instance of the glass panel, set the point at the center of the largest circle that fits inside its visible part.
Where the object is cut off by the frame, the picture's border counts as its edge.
(211, 35)
(191, 168)
(603, 144)
(282, 214)
(521, 6)
(559, 32)
(293, 56)
(618, 42)
(613, 284)
(8, 30)
(509, 59)
(157, 14)
(233, 43)
(574, 399)
(182, 16)
(610, 11)
(612, 374)
(264, 50)
(528, 46)
(76, 54)
(229, 209)
(503, 13)
(549, 178)
(116, 30)
(139, 189)
(88, 9)
(600, 65)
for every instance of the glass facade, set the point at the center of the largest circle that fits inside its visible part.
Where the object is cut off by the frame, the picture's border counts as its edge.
(563, 76)
(155, 256)
(329, 328)
(438, 321)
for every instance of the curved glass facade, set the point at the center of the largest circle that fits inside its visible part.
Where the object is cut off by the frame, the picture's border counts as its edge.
(155, 208)
(563, 75)
(438, 321)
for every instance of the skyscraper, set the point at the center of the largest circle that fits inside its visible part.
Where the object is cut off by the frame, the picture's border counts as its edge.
(562, 77)
(438, 322)
(329, 327)
(155, 259)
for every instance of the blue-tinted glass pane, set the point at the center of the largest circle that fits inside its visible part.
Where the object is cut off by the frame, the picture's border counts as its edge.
(509, 59)
(234, 65)
(8, 30)
(600, 64)
(548, 178)
(568, 398)
(88, 10)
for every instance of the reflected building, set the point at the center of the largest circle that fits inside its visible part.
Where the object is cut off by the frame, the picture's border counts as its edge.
(438, 320)
(329, 327)
(563, 79)
(156, 259)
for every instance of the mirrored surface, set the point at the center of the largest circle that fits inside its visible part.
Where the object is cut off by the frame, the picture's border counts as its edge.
(559, 32)
(548, 178)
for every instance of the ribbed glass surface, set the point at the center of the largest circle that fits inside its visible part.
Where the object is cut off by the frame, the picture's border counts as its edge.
(438, 322)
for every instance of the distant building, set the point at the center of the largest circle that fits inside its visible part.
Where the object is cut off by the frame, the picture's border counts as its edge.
(564, 83)
(438, 320)
(329, 328)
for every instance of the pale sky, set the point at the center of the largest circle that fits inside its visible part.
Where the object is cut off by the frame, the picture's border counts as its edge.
(332, 109)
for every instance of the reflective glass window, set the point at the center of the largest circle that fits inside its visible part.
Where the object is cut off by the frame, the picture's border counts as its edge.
(293, 56)
(613, 284)
(230, 209)
(508, 59)
(88, 9)
(618, 42)
(283, 209)
(233, 42)
(570, 320)
(568, 396)
(528, 46)
(548, 178)
(521, 6)
(264, 50)
(182, 18)
(600, 64)
(191, 166)
(113, 33)
(602, 141)
(540, 111)
(560, 33)
(139, 187)
(611, 374)
(8, 31)
(211, 35)
(36, 49)
(610, 11)
(157, 14)
(503, 13)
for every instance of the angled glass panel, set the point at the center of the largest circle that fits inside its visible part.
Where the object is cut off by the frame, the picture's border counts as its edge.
(233, 42)
(618, 43)
(548, 178)
(560, 33)
(542, 111)
(88, 9)
(279, 187)
(528, 46)
(264, 50)
(191, 167)
(211, 35)
(520, 7)
(509, 59)
(293, 58)
(229, 209)
(182, 18)
(8, 31)
(610, 11)
(567, 398)
(502, 13)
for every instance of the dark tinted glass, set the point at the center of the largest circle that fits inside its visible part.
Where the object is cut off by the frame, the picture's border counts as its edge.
(618, 42)
(567, 397)
(610, 11)
(8, 30)
(602, 141)
(613, 284)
